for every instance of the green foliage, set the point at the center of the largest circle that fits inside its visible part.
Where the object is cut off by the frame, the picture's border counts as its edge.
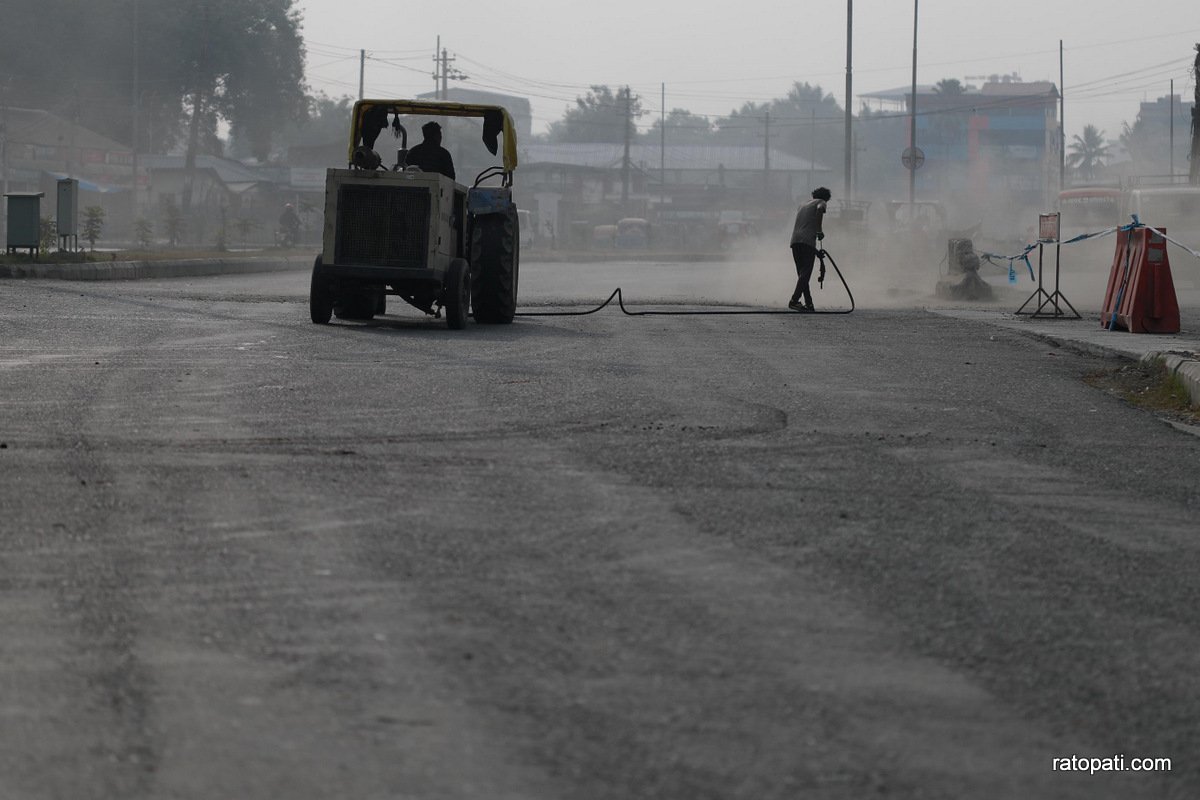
(143, 230)
(47, 234)
(246, 226)
(1088, 152)
(1148, 139)
(222, 242)
(172, 222)
(93, 224)
(243, 58)
(805, 122)
(682, 127)
(600, 116)
(328, 120)
(949, 87)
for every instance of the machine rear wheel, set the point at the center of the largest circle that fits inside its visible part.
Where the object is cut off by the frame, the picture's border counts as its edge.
(457, 294)
(494, 264)
(320, 299)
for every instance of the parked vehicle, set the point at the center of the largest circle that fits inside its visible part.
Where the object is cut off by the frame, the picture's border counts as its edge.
(604, 237)
(1088, 209)
(633, 234)
(1175, 209)
(527, 227)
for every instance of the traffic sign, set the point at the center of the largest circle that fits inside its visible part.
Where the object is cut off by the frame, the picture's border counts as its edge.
(912, 158)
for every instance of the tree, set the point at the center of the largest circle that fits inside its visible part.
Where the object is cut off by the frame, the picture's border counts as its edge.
(948, 125)
(1148, 139)
(263, 83)
(47, 233)
(143, 230)
(949, 87)
(245, 57)
(683, 127)
(245, 64)
(93, 225)
(1088, 152)
(807, 122)
(246, 226)
(600, 116)
(327, 120)
(173, 222)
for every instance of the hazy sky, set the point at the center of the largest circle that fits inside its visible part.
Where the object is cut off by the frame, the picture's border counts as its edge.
(712, 56)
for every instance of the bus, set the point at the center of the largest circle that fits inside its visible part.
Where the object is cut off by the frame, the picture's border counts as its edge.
(1089, 209)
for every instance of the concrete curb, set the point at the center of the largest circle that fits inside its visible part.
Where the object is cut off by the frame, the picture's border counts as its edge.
(1180, 355)
(141, 270)
(1186, 368)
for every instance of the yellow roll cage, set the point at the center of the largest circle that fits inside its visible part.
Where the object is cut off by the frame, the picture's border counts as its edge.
(431, 108)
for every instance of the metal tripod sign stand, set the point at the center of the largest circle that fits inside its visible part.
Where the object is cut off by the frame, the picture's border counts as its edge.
(1050, 305)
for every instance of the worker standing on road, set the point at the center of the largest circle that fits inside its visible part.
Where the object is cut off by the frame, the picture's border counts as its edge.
(805, 235)
(429, 155)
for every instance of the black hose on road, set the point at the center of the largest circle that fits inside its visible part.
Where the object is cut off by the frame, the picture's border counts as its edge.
(823, 254)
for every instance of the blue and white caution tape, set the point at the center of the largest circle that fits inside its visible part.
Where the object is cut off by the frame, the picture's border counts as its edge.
(1173, 241)
(1137, 223)
(991, 258)
(1085, 236)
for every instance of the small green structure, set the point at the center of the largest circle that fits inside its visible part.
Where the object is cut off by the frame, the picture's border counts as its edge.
(24, 221)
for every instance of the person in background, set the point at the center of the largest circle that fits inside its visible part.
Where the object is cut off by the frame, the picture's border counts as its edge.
(429, 155)
(289, 226)
(805, 235)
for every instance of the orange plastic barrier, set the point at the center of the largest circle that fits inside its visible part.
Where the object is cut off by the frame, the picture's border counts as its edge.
(1141, 293)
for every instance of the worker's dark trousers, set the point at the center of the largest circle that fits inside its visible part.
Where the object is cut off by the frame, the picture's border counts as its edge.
(804, 256)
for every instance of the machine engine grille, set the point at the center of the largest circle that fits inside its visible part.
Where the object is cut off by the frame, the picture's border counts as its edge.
(382, 225)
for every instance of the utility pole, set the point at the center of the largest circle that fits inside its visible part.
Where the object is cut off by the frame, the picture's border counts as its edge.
(445, 77)
(4, 158)
(848, 188)
(362, 71)
(137, 109)
(1171, 140)
(1062, 122)
(437, 77)
(662, 150)
(912, 124)
(72, 153)
(767, 159)
(444, 73)
(625, 160)
(812, 146)
(1194, 172)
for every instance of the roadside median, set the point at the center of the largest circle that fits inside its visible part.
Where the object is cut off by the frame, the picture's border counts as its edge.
(141, 270)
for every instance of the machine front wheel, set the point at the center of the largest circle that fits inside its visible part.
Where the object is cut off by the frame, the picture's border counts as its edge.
(320, 298)
(458, 294)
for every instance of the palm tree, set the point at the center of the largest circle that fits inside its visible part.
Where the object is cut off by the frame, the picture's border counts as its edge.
(1088, 152)
(949, 87)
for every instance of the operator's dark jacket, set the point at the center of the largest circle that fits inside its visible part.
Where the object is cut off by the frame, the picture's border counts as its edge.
(431, 158)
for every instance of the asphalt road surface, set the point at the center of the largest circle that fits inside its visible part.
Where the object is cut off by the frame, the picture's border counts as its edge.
(886, 555)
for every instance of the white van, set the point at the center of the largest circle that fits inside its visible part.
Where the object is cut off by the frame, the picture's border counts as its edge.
(1175, 209)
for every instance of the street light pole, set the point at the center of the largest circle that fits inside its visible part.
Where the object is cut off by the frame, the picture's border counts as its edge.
(912, 129)
(847, 189)
(137, 113)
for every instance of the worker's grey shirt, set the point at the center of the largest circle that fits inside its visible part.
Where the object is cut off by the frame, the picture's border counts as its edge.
(808, 223)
